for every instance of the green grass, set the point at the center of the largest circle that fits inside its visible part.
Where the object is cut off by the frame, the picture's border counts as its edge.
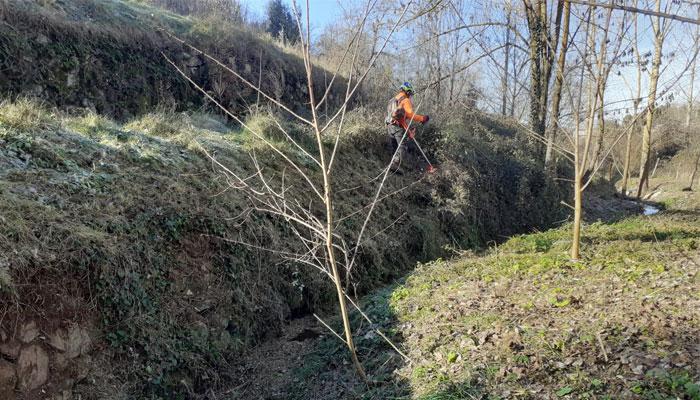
(524, 320)
(529, 293)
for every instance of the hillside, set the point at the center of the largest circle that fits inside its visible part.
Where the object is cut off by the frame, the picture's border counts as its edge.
(143, 254)
(522, 321)
(124, 250)
(106, 56)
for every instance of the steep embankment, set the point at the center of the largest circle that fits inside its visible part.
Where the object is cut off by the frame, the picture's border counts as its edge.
(106, 56)
(120, 263)
(129, 268)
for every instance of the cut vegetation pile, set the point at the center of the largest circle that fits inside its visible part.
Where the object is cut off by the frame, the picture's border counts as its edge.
(128, 235)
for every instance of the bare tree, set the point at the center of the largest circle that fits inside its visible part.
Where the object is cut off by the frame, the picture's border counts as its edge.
(637, 61)
(558, 84)
(660, 31)
(311, 219)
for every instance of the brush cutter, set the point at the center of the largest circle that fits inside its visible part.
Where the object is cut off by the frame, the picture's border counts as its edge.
(431, 168)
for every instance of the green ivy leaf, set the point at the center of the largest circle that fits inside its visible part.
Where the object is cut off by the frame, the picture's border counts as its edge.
(564, 391)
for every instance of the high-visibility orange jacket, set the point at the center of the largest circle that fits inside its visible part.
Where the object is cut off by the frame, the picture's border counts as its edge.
(405, 102)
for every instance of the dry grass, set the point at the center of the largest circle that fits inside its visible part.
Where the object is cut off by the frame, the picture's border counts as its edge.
(25, 115)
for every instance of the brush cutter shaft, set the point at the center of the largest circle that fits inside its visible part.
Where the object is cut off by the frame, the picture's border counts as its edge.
(422, 152)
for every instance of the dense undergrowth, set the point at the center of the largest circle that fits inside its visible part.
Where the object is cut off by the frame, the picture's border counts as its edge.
(130, 229)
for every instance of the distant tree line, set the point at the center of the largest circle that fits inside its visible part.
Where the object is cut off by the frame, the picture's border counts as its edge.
(279, 20)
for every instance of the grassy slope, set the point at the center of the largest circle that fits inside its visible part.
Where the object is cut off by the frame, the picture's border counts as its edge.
(523, 321)
(117, 227)
(106, 55)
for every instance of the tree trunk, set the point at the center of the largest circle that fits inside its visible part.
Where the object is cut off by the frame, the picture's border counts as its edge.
(695, 171)
(600, 140)
(558, 84)
(543, 47)
(578, 212)
(628, 150)
(653, 81)
(535, 27)
(628, 156)
(504, 99)
(656, 165)
(692, 77)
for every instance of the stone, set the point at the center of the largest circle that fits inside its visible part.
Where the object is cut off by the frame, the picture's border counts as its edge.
(82, 367)
(72, 78)
(29, 332)
(74, 342)
(32, 367)
(10, 349)
(8, 380)
(43, 39)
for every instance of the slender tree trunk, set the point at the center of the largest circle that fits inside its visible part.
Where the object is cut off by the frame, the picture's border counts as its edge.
(628, 148)
(628, 156)
(514, 92)
(558, 84)
(600, 140)
(692, 77)
(690, 96)
(504, 99)
(578, 163)
(578, 209)
(695, 171)
(653, 81)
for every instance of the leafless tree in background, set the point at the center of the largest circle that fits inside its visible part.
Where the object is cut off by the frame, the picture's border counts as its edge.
(660, 32)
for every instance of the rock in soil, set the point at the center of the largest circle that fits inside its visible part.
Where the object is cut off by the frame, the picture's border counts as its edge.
(8, 380)
(29, 332)
(32, 367)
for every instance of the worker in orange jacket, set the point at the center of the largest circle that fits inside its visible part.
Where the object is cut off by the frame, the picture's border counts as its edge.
(399, 116)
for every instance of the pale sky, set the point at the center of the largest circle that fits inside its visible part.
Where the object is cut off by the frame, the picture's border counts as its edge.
(322, 13)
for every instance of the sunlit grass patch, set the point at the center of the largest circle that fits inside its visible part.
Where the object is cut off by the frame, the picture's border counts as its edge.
(524, 318)
(25, 115)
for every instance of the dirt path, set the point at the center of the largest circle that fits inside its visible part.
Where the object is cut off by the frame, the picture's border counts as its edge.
(267, 371)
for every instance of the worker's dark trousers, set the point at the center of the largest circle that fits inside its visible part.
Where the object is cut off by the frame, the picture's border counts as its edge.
(395, 135)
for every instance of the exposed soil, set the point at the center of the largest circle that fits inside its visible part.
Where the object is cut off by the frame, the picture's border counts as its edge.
(267, 371)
